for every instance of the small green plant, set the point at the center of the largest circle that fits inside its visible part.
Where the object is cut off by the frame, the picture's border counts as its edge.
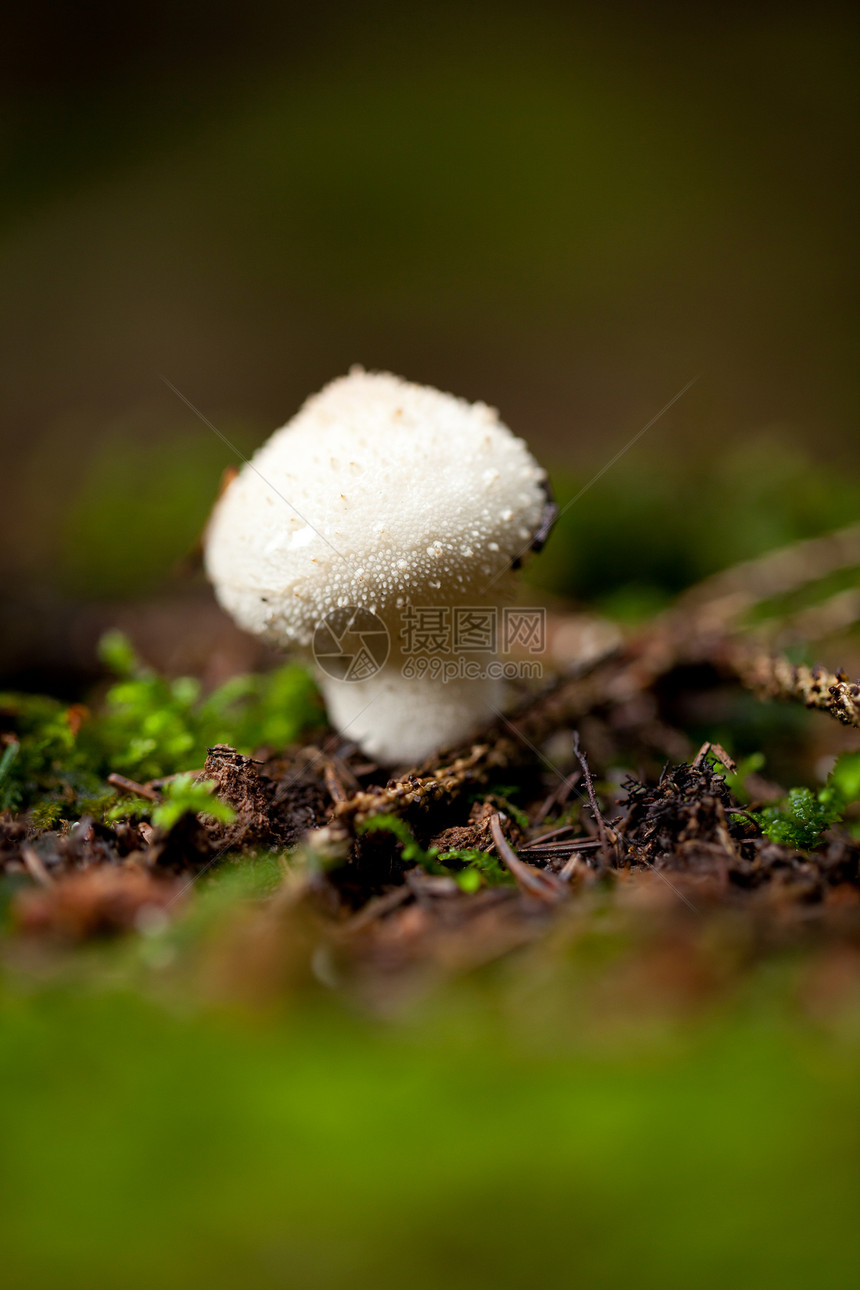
(472, 867)
(44, 763)
(125, 807)
(801, 821)
(410, 848)
(480, 867)
(152, 726)
(187, 796)
(55, 758)
(183, 795)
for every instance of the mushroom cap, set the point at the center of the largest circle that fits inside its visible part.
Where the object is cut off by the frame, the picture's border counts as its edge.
(379, 493)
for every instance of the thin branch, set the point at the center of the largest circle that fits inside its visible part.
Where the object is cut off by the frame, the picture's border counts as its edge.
(605, 846)
(537, 882)
(563, 845)
(774, 677)
(546, 837)
(132, 786)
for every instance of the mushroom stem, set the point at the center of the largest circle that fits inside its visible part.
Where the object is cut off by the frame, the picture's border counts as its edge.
(399, 720)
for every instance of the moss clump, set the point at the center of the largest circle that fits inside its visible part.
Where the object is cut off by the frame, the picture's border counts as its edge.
(56, 758)
(805, 815)
(469, 867)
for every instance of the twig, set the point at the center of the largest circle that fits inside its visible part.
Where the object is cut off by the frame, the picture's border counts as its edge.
(719, 752)
(537, 882)
(545, 837)
(345, 773)
(336, 790)
(774, 677)
(131, 786)
(574, 865)
(592, 798)
(586, 844)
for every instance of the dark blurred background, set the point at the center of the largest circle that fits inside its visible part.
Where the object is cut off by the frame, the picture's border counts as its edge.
(567, 211)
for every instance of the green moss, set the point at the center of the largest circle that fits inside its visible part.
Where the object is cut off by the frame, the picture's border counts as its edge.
(801, 820)
(805, 815)
(45, 763)
(57, 758)
(185, 796)
(469, 867)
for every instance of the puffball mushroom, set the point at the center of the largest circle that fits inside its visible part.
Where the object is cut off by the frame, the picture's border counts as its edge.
(380, 496)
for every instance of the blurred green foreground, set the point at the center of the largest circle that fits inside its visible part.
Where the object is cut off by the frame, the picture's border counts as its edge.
(503, 1135)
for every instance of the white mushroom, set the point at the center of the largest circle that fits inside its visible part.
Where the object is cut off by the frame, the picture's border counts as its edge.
(387, 498)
